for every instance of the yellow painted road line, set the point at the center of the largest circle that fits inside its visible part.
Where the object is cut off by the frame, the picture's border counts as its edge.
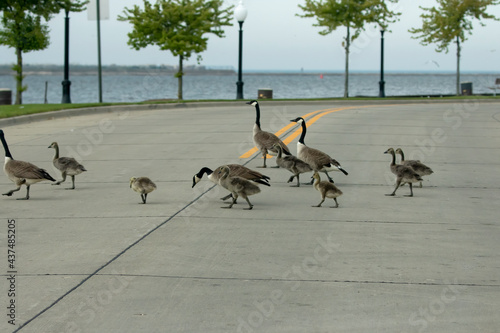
(287, 127)
(319, 114)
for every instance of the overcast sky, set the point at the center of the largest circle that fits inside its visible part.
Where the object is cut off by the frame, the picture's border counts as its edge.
(275, 39)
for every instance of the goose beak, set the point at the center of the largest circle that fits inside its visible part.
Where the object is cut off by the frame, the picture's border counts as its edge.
(386, 152)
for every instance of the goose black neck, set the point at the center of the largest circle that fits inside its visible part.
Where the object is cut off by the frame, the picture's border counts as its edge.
(203, 171)
(257, 112)
(402, 156)
(5, 146)
(303, 134)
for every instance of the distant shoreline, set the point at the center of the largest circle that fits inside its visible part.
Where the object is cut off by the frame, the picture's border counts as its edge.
(143, 70)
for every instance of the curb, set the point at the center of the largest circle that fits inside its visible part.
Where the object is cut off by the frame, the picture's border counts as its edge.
(146, 107)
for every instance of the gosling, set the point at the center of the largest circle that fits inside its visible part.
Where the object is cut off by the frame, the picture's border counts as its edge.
(67, 165)
(292, 164)
(327, 190)
(237, 186)
(143, 186)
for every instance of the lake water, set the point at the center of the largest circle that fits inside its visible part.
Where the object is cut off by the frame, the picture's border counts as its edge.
(136, 88)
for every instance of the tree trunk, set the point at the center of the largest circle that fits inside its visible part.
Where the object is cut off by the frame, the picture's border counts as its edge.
(346, 79)
(179, 78)
(458, 66)
(19, 76)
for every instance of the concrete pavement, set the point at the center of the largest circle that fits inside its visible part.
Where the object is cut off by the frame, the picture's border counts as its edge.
(95, 260)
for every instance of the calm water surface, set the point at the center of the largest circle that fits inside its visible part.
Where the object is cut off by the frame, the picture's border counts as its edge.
(134, 88)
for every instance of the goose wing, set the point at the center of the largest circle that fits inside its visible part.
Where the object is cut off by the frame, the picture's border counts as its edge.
(26, 170)
(267, 140)
(419, 167)
(246, 173)
(63, 163)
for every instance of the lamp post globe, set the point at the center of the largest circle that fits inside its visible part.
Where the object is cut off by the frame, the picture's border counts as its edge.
(240, 13)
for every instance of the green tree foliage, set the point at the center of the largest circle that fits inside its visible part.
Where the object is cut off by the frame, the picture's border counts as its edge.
(179, 26)
(451, 21)
(352, 14)
(24, 30)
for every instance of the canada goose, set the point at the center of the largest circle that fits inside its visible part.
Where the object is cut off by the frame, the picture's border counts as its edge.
(237, 186)
(318, 160)
(21, 172)
(67, 166)
(234, 170)
(142, 185)
(327, 190)
(292, 164)
(417, 166)
(403, 173)
(264, 141)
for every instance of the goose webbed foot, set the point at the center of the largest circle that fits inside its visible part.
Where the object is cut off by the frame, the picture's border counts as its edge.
(9, 194)
(231, 204)
(275, 167)
(290, 179)
(227, 197)
(250, 206)
(391, 194)
(411, 191)
(58, 183)
(336, 203)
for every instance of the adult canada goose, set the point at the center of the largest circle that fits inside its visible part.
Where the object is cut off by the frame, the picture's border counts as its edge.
(263, 140)
(67, 166)
(234, 170)
(143, 186)
(237, 186)
(403, 173)
(318, 160)
(417, 166)
(20, 172)
(292, 164)
(327, 190)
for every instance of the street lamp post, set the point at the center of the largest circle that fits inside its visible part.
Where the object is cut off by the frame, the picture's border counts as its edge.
(66, 83)
(240, 14)
(381, 83)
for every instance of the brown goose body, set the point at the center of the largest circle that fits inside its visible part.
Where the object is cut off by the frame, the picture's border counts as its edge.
(318, 160)
(234, 170)
(265, 141)
(20, 172)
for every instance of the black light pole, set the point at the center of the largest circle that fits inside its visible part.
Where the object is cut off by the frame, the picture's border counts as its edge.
(240, 13)
(99, 67)
(381, 92)
(66, 83)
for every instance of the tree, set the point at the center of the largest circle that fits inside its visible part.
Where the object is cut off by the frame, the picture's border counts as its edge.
(450, 22)
(24, 30)
(179, 26)
(352, 14)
